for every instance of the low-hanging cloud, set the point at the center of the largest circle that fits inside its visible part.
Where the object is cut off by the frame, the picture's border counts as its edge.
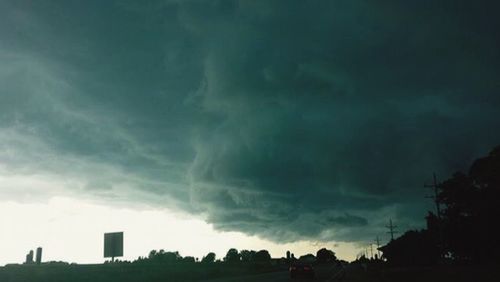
(285, 119)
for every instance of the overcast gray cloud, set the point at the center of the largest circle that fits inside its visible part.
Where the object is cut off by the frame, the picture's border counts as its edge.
(286, 119)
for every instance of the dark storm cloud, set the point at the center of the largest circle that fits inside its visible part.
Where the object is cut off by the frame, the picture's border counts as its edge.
(286, 119)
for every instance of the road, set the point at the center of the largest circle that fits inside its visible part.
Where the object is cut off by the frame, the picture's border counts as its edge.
(323, 274)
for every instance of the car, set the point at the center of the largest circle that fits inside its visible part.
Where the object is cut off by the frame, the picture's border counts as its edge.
(301, 270)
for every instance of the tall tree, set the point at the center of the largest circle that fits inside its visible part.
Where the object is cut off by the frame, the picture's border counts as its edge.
(262, 256)
(232, 255)
(470, 202)
(324, 255)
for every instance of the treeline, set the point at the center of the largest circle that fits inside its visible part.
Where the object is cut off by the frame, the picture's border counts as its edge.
(465, 229)
(162, 256)
(234, 256)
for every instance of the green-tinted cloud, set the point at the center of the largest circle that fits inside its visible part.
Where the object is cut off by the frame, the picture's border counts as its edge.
(286, 119)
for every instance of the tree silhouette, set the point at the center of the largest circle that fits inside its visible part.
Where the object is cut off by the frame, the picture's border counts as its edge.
(458, 196)
(324, 255)
(262, 256)
(464, 231)
(412, 248)
(209, 258)
(247, 255)
(232, 255)
(162, 256)
(188, 259)
(470, 202)
(307, 258)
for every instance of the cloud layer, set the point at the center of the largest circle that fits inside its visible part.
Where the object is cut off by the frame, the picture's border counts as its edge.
(289, 120)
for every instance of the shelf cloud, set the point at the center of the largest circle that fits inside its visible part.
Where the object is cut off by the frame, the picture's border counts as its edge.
(289, 120)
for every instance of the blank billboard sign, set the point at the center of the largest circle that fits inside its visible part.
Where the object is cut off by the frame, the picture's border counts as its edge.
(113, 244)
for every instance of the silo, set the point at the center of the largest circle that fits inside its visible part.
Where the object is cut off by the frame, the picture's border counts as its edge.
(29, 257)
(39, 255)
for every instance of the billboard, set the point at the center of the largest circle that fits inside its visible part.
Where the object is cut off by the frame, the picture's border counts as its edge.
(113, 244)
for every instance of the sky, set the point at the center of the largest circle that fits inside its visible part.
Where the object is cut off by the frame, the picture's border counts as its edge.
(200, 126)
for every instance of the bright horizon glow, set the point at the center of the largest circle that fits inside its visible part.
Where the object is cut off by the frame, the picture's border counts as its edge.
(72, 230)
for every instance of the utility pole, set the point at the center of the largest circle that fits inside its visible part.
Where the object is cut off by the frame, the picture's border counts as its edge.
(378, 246)
(435, 187)
(371, 250)
(391, 228)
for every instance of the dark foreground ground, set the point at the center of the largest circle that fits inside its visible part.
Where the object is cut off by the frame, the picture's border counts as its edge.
(216, 272)
(356, 273)
(241, 273)
(152, 272)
